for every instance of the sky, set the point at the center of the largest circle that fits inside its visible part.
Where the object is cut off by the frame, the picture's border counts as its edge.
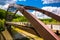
(35, 3)
(48, 5)
(40, 3)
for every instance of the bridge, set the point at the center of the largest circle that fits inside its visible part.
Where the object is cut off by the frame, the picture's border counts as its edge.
(38, 27)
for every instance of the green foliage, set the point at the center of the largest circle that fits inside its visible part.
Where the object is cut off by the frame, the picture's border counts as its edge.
(20, 19)
(50, 21)
(2, 14)
(1, 25)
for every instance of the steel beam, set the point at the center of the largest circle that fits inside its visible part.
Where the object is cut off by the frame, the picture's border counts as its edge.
(39, 26)
(23, 27)
(50, 14)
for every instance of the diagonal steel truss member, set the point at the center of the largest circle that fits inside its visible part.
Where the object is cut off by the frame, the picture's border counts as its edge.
(39, 26)
(56, 17)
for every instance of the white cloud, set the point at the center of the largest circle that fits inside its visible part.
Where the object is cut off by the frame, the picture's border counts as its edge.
(55, 10)
(39, 15)
(3, 2)
(19, 13)
(22, 0)
(50, 1)
(0, 6)
(11, 1)
(4, 6)
(6, 3)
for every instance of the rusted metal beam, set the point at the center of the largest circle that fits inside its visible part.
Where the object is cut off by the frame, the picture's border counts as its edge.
(15, 13)
(29, 30)
(39, 26)
(23, 27)
(14, 24)
(50, 14)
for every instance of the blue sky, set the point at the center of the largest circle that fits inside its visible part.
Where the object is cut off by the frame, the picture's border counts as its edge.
(53, 4)
(35, 3)
(38, 3)
(48, 5)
